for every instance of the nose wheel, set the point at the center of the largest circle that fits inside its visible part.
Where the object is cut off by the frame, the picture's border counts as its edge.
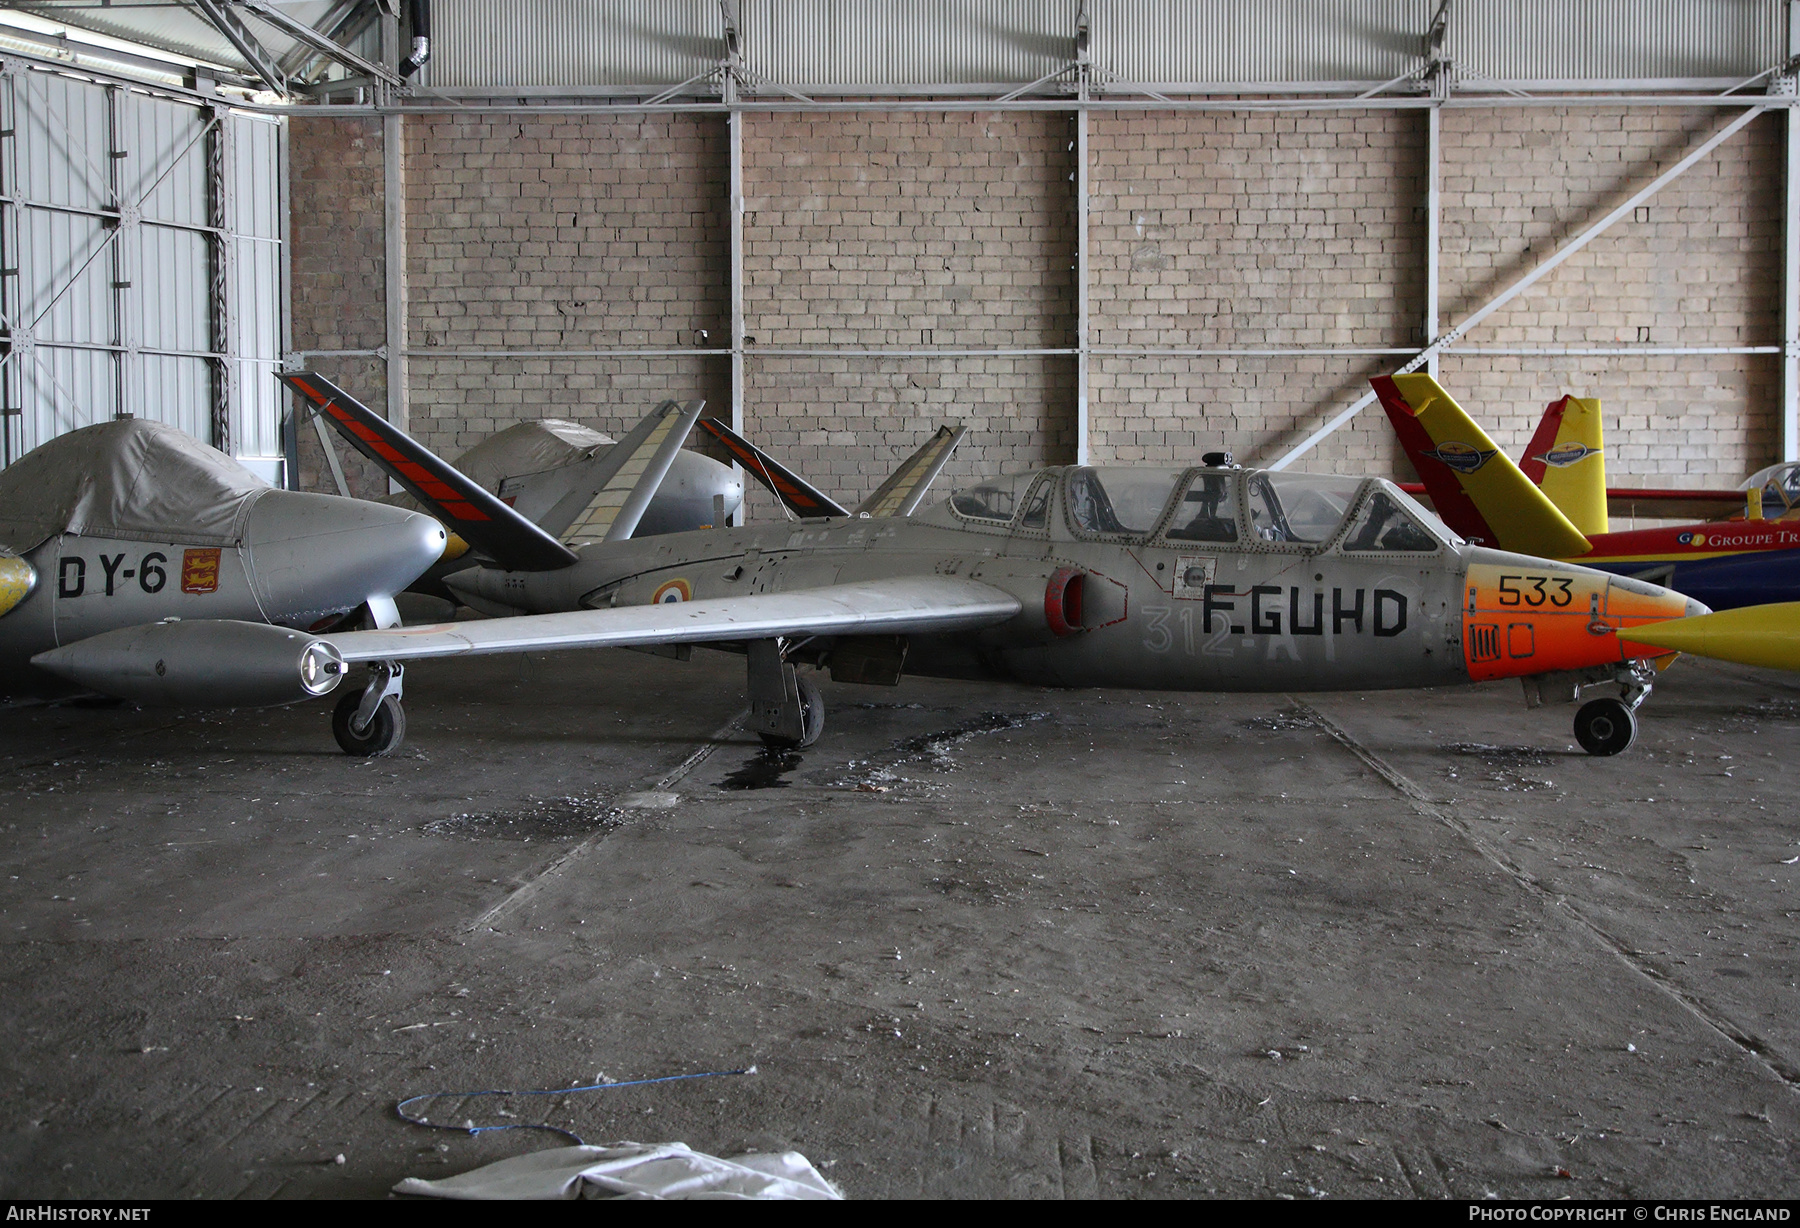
(371, 723)
(1606, 726)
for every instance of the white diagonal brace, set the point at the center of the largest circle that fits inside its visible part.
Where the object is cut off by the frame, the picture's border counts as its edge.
(1519, 287)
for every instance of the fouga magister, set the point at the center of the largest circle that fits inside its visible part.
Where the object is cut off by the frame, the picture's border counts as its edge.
(1207, 578)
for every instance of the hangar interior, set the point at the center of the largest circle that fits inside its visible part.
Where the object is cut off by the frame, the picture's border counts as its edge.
(993, 941)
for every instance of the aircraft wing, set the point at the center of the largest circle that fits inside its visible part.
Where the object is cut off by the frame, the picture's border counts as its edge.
(608, 506)
(801, 499)
(1475, 487)
(907, 605)
(900, 494)
(471, 512)
(1650, 504)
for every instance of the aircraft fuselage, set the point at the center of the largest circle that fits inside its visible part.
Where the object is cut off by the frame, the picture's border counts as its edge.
(1151, 613)
(300, 559)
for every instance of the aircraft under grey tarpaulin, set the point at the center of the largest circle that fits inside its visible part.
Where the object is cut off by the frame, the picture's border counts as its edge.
(1202, 578)
(132, 522)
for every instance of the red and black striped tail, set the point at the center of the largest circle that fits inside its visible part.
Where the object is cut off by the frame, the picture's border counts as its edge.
(801, 499)
(467, 510)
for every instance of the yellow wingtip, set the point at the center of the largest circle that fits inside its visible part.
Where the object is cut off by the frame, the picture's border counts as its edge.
(1767, 636)
(17, 579)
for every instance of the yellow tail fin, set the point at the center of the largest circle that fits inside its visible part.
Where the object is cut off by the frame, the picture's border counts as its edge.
(1470, 480)
(1566, 459)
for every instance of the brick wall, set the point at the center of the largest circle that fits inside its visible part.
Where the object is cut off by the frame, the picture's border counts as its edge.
(560, 233)
(1215, 230)
(916, 231)
(1208, 231)
(339, 271)
(1698, 265)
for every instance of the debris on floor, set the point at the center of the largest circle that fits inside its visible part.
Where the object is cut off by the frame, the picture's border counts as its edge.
(632, 1170)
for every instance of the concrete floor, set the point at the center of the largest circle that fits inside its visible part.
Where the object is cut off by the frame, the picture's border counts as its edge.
(978, 942)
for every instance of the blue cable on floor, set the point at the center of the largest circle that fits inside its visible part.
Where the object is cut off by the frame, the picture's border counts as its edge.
(550, 1091)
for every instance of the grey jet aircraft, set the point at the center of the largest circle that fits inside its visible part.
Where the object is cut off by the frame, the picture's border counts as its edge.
(132, 522)
(1204, 578)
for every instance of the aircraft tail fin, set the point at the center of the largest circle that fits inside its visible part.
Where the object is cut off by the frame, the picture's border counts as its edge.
(609, 505)
(795, 494)
(1565, 458)
(465, 509)
(1477, 490)
(900, 494)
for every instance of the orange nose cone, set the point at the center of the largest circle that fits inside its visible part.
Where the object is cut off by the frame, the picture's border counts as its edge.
(1527, 616)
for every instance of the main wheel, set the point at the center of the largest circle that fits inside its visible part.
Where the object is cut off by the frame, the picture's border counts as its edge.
(385, 731)
(1605, 727)
(812, 718)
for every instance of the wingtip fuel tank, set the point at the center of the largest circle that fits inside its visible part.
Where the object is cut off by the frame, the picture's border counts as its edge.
(203, 663)
(17, 580)
(1767, 636)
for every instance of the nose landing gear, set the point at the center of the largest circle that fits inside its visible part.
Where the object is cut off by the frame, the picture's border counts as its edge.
(1605, 726)
(1609, 726)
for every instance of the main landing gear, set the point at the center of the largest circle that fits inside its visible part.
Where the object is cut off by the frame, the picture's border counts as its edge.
(1608, 726)
(371, 722)
(786, 711)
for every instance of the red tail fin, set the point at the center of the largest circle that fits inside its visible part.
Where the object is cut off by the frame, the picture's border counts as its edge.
(464, 507)
(1542, 440)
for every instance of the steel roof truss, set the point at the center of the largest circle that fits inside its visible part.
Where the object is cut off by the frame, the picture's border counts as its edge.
(255, 54)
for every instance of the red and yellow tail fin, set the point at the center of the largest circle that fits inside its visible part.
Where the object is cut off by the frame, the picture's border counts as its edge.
(1477, 490)
(1566, 460)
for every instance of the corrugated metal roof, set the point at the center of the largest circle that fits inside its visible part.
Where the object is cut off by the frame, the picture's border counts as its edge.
(539, 43)
(1572, 40)
(1167, 42)
(851, 45)
(907, 42)
(174, 28)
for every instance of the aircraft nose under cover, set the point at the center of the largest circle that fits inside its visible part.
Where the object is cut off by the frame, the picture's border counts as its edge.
(317, 555)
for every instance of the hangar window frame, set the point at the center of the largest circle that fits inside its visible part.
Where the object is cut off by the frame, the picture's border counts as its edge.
(142, 263)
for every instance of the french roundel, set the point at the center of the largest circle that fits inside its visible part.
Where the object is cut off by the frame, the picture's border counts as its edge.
(673, 591)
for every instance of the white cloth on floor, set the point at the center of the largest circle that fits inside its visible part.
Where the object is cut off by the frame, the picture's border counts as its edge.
(632, 1170)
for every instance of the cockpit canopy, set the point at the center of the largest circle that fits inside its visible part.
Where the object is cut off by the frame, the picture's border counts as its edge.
(1220, 507)
(1780, 486)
